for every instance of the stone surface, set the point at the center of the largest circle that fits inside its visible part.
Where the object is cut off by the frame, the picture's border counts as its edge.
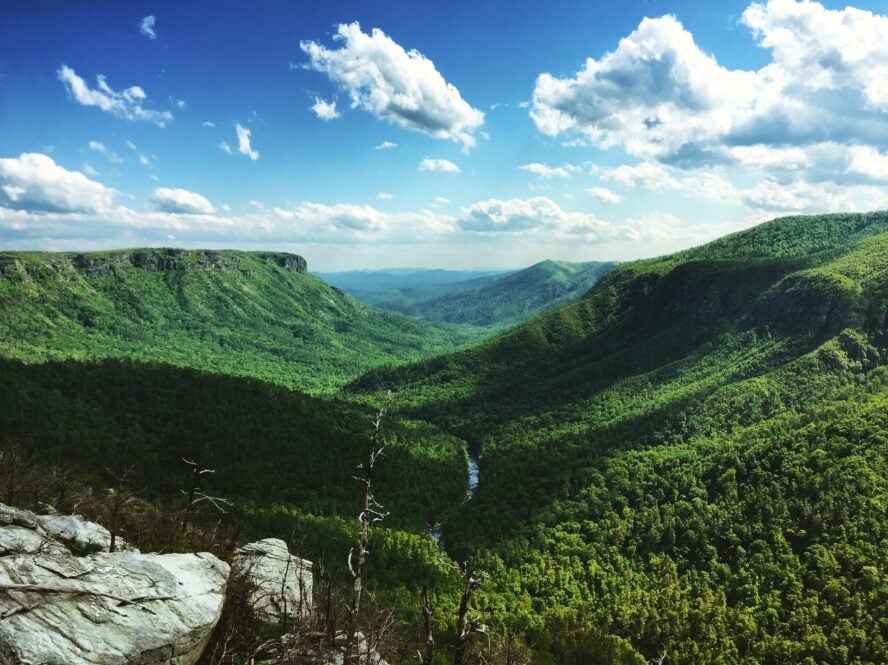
(81, 613)
(282, 582)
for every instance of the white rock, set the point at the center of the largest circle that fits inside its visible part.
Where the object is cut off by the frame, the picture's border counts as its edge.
(84, 624)
(282, 582)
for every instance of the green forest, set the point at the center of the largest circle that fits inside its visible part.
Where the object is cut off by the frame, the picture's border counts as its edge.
(686, 463)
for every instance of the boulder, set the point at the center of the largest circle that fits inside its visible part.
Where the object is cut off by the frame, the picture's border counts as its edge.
(121, 607)
(281, 583)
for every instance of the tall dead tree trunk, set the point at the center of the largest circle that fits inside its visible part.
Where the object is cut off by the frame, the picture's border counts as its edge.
(429, 621)
(466, 627)
(371, 513)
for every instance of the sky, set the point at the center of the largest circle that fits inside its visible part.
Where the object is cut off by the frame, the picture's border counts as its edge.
(458, 135)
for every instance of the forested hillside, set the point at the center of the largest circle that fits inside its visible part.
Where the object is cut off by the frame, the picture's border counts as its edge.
(510, 299)
(690, 461)
(688, 464)
(242, 313)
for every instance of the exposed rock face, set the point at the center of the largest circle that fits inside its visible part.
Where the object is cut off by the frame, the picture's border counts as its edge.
(282, 582)
(108, 608)
(292, 262)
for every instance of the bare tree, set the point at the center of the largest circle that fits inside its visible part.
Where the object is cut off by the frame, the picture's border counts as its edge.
(196, 495)
(429, 622)
(465, 626)
(120, 496)
(372, 512)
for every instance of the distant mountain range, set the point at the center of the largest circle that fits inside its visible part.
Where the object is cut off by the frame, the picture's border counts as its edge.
(488, 299)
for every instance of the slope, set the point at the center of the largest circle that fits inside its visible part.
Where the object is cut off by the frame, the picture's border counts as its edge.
(267, 444)
(509, 299)
(242, 313)
(690, 461)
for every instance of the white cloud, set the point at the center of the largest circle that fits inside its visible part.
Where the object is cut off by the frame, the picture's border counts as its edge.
(402, 87)
(126, 104)
(385, 196)
(224, 147)
(661, 98)
(166, 199)
(869, 161)
(545, 171)
(649, 175)
(180, 104)
(207, 123)
(144, 160)
(767, 196)
(386, 145)
(537, 214)
(440, 201)
(34, 182)
(146, 27)
(325, 110)
(604, 195)
(130, 145)
(443, 165)
(243, 143)
(108, 154)
(89, 170)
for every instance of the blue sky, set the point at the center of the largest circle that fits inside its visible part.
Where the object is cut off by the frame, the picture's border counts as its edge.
(476, 134)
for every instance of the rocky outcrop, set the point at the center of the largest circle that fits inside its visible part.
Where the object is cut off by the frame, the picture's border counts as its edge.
(121, 607)
(280, 583)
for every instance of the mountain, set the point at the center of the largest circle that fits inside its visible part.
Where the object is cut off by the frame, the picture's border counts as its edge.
(372, 281)
(689, 463)
(255, 314)
(510, 299)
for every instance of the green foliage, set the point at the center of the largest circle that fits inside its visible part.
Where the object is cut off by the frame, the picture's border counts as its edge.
(690, 461)
(237, 313)
(267, 443)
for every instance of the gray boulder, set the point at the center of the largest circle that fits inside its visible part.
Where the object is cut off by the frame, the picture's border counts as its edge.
(281, 584)
(109, 608)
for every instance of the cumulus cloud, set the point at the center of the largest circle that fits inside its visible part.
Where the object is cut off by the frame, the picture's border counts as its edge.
(399, 86)
(533, 215)
(243, 143)
(224, 147)
(442, 165)
(126, 104)
(146, 27)
(604, 195)
(34, 182)
(661, 98)
(767, 196)
(325, 110)
(386, 145)
(207, 123)
(545, 171)
(166, 199)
